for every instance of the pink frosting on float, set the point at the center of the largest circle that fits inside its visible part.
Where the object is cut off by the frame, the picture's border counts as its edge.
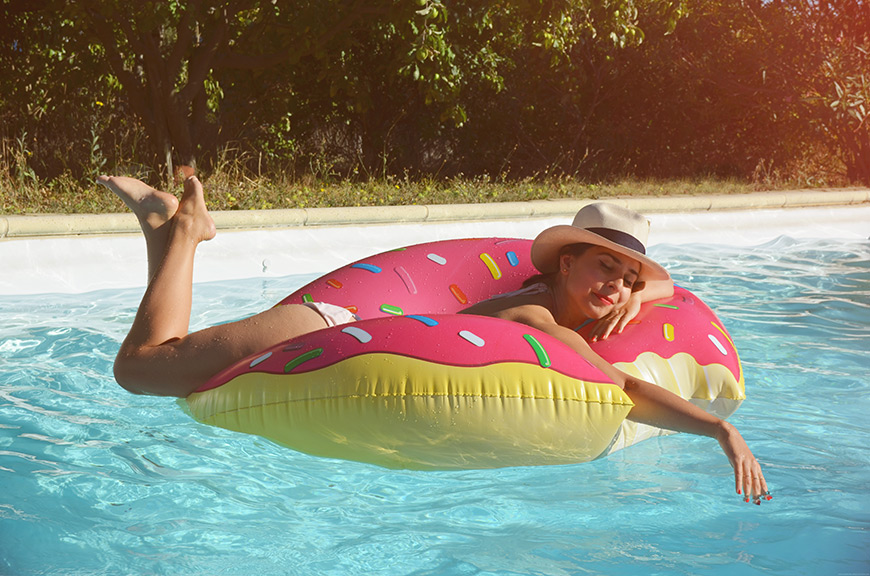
(434, 281)
(682, 323)
(434, 278)
(451, 339)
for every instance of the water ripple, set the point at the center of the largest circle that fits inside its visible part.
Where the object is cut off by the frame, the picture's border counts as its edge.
(98, 481)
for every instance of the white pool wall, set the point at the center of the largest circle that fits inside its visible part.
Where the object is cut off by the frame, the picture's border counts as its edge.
(73, 264)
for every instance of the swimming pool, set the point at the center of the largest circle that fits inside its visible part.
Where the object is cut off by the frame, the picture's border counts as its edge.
(97, 481)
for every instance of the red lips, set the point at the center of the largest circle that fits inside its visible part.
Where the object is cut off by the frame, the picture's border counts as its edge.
(603, 298)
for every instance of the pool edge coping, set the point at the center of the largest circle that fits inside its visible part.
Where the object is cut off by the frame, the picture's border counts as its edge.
(53, 225)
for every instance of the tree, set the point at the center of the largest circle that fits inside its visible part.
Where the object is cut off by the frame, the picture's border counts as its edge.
(835, 74)
(387, 68)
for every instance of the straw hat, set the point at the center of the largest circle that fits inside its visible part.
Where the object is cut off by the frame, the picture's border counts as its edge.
(614, 227)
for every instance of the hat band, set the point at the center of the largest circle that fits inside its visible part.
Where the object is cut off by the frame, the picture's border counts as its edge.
(622, 238)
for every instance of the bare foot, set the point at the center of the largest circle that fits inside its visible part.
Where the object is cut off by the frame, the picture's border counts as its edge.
(154, 210)
(152, 207)
(192, 218)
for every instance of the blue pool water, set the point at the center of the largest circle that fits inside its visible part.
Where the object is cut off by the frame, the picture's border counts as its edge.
(98, 481)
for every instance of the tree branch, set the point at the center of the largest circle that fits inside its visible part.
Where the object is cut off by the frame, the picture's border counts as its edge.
(202, 59)
(238, 61)
(183, 38)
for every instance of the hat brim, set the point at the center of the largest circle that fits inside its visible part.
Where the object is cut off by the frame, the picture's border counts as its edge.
(546, 247)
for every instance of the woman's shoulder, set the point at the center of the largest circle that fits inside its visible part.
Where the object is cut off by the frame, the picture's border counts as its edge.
(525, 306)
(530, 290)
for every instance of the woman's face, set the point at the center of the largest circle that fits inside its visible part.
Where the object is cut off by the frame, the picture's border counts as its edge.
(599, 279)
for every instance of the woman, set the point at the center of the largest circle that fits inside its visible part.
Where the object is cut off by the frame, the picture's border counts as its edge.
(594, 270)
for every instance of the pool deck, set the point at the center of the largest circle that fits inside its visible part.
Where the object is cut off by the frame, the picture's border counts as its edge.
(35, 226)
(89, 252)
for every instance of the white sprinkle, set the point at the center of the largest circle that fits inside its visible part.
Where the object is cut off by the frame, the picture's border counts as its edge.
(358, 333)
(437, 259)
(473, 338)
(718, 344)
(262, 358)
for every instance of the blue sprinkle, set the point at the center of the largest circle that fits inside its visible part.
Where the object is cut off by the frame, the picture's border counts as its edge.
(424, 319)
(369, 267)
(513, 259)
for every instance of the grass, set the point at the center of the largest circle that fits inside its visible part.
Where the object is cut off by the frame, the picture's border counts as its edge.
(232, 191)
(231, 185)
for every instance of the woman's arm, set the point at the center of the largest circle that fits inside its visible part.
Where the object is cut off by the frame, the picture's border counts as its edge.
(658, 407)
(656, 290)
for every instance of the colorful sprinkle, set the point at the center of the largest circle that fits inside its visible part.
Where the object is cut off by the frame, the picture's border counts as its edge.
(390, 309)
(307, 298)
(368, 267)
(358, 333)
(718, 344)
(437, 259)
(512, 258)
(424, 319)
(543, 357)
(733, 347)
(302, 358)
(666, 306)
(261, 359)
(458, 294)
(473, 338)
(406, 279)
(490, 263)
(724, 333)
(668, 330)
(334, 283)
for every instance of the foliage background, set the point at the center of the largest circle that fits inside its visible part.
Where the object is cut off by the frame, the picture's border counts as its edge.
(368, 96)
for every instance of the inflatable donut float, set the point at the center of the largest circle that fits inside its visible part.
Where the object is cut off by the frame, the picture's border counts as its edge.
(415, 385)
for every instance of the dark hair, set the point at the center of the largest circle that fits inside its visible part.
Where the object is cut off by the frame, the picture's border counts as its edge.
(574, 250)
(571, 249)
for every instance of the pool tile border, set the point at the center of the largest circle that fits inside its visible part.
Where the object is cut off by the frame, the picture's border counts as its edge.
(30, 226)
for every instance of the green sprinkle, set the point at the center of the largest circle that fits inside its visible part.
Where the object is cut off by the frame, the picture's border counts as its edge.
(543, 358)
(390, 309)
(310, 355)
(307, 298)
(666, 306)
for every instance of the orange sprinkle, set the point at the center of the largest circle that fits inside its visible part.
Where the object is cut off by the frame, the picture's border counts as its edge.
(334, 283)
(458, 294)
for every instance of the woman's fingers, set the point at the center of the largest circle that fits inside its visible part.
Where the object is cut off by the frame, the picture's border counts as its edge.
(750, 481)
(604, 327)
(748, 478)
(623, 322)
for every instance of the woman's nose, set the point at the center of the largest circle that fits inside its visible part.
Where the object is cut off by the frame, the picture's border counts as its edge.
(616, 284)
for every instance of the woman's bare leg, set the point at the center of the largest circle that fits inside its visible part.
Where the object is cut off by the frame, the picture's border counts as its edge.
(154, 210)
(159, 356)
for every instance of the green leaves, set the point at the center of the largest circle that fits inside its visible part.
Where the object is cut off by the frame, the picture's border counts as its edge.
(396, 86)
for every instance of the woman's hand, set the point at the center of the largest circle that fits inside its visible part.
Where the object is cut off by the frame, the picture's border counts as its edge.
(617, 319)
(659, 407)
(747, 471)
(620, 316)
